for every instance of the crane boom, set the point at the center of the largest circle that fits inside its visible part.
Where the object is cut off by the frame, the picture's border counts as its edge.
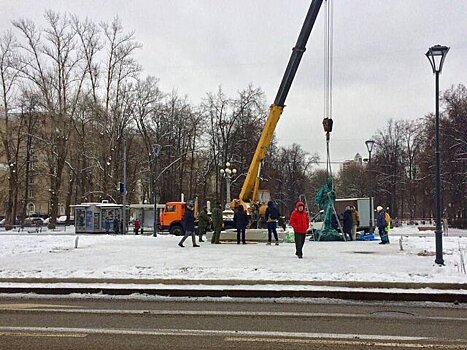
(250, 187)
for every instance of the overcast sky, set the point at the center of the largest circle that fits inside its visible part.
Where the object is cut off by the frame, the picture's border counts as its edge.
(380, 70)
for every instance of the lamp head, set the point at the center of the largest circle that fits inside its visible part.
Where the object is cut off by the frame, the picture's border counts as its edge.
(369, 145)
(436, 55)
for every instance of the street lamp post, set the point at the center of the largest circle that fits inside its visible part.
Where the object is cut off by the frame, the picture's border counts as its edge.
(156, 149)
(124, 218)
(369, 145)
(436, 55)
(227, 173)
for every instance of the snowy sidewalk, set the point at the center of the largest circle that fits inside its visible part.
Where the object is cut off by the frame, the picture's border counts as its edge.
(146, 262)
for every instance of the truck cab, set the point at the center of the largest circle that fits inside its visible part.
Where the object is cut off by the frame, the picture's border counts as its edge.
(171, 218)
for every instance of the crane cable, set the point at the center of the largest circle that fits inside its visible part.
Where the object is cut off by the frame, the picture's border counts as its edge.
(328, 60)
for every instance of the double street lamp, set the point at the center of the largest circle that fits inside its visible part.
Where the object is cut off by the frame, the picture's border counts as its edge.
(436, 55)
(227, 173)
(369, 146)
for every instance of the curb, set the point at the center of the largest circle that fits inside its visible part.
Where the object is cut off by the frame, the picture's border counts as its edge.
(231, 282)
(242, 293)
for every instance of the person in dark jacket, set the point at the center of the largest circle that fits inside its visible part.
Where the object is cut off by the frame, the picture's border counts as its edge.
(107, 223)
(203, 223)
(382, 224)
(241, 222)
(271, 216)
(335, 222)
(189, 226)
(116, 226)
(300, 222)
(347, 223)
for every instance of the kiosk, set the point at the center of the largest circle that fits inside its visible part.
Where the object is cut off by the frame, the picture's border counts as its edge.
(98, 218)
(145, 215)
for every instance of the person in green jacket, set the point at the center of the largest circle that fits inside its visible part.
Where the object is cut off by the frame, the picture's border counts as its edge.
(203, 223)
(217, 222)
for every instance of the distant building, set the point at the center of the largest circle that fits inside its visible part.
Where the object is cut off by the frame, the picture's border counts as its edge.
(357, 160)
(33, 182)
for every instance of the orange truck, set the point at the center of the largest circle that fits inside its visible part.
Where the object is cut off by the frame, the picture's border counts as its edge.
(171, 217)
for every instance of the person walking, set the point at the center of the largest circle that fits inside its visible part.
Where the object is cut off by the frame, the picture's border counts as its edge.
(189, 226)
(217, 222)
(382, 225)
(203, 223)
(137, 226)
(347, 222)
(271, 216)
(355, 222)
(299, 221)
(241, 222)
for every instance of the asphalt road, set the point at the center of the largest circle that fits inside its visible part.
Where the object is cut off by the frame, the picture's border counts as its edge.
(149, 323)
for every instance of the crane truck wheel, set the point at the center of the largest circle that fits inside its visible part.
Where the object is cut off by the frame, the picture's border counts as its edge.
(177, 230)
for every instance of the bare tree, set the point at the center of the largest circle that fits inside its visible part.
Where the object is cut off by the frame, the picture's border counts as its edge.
(147, 110)
(351, 181)
(9, 73)
(454, 155)
(121, 70)
(234, 128)
(411, 156)
(52, 66)
(388, 167)
(292, 176)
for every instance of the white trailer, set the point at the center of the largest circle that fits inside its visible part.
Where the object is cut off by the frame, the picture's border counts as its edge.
(363, 207)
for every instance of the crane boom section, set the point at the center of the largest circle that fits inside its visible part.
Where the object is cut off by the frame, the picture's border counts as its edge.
(250, 186)
(297, 52)
(247, 192)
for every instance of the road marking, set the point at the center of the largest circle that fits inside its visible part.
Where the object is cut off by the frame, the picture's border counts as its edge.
(42, 334)
(245, 336)
(346, 342)
(31, 308)
(228, 334)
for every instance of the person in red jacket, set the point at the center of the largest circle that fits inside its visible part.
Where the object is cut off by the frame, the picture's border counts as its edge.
(137, 226)
(299, 222)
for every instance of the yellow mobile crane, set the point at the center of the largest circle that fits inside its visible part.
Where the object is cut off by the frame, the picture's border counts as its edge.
(249, 191)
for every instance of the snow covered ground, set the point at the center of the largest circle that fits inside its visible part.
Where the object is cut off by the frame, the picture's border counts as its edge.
(53, 255)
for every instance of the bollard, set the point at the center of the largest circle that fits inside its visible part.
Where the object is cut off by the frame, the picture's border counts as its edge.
(76, 242)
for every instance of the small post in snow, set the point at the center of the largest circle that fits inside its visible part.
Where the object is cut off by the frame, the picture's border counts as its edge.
(461, 255)
(76, 242)
(400, 244)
